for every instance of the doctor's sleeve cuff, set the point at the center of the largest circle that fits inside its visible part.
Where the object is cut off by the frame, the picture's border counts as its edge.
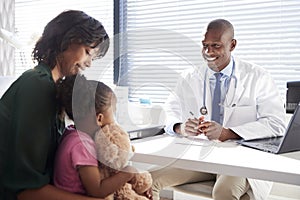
(169, 129)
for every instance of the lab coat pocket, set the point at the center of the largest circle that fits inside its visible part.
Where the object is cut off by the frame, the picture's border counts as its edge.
(240, 115)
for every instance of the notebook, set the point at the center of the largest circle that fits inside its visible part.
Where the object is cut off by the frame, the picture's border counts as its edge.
(284, 144)
(138, 132)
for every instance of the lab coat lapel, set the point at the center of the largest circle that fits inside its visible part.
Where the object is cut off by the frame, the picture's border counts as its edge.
(235, 91)
(208, 98)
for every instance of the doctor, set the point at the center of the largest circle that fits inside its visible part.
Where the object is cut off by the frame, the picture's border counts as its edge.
(249, 107)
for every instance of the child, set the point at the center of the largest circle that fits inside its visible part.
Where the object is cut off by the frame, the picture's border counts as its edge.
(91, 105)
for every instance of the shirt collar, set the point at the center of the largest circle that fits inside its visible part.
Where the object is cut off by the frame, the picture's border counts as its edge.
(227, 71)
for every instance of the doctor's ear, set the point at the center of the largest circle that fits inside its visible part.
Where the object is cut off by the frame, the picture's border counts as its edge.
(233, 44)
(100, 118)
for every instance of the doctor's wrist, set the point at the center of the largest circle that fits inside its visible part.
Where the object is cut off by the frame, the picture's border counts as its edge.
(227, 134)
(178, 128)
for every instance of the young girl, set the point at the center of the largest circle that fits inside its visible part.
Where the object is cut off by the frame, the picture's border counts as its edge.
(91, 105)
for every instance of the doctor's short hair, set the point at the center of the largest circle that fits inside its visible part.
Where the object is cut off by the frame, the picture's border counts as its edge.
(69, 27)
(79, 97)
(223, 24)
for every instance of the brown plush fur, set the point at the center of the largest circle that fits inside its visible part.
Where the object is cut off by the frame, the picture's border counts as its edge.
(114, 151)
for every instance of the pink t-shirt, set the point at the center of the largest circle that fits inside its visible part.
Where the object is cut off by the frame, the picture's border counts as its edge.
(76, 149)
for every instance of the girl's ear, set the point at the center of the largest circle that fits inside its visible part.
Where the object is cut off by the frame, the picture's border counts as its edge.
(100, 118)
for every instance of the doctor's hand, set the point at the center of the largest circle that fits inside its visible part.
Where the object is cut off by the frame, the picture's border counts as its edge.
(214, 131)
(191, 126)
(188, 128)
(211, 129)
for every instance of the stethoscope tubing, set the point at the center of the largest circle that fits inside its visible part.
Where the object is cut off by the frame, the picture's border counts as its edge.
(203, 109)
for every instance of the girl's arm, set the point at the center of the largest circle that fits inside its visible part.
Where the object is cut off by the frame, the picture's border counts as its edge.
(49, 192)
(91, 179)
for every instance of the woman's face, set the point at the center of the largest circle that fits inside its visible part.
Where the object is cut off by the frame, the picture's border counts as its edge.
(75, 59)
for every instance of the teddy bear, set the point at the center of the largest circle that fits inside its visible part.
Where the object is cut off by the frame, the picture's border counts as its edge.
(113, 153)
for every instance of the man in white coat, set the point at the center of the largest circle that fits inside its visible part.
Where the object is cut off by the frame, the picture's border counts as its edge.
(249, 107)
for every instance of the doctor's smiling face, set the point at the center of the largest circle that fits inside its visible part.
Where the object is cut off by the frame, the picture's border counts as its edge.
(217, 45)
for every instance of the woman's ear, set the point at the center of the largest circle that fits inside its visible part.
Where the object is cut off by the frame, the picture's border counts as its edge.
(100, 118)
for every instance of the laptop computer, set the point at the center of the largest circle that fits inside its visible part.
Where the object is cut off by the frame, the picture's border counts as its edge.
(139, 132)
(283, 144)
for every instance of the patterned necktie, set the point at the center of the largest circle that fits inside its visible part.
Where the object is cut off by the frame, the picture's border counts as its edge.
(216, 99)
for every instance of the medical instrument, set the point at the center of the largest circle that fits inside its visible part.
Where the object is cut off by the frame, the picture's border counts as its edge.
(203, 109)
(192, 114)
(196, 127)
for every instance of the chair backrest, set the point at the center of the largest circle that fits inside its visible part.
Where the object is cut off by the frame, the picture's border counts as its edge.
(292, 96)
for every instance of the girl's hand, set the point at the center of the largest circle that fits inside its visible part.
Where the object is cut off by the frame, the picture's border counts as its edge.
(148, 194)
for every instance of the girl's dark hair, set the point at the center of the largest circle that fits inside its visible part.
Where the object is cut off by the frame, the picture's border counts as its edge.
(70, 27)
(78, 96)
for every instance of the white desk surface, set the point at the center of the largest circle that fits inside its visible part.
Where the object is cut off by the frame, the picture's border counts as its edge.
(218, 157)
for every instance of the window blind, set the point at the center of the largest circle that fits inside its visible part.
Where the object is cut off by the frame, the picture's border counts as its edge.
(31, 16)
(163, 37)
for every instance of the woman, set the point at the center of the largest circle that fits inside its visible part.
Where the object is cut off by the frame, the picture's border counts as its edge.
(29, 122)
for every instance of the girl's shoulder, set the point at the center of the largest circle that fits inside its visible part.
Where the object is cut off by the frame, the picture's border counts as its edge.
(76, 136)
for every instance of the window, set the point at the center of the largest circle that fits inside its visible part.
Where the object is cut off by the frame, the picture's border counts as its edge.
(162, 37)
(31, 16)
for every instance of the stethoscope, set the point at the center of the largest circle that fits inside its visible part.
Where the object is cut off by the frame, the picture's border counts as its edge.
(203, 109)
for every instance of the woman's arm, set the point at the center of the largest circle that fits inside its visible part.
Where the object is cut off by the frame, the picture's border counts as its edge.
(97, 187)
(49, 192)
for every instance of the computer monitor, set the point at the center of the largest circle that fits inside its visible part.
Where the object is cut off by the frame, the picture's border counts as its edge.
(292, 96)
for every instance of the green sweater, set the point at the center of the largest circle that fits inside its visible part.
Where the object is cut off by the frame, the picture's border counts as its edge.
(29, 131)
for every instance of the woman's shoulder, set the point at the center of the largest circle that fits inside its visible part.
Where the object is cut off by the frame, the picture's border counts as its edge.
(40, 72)
(38, 79)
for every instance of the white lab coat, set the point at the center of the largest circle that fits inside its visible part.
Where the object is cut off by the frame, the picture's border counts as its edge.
(253, 107)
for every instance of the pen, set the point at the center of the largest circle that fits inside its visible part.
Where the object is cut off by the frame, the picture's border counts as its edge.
(196, 127)
(192, 114)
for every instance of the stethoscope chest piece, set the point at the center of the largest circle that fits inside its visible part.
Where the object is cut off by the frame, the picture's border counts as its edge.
(203, 110)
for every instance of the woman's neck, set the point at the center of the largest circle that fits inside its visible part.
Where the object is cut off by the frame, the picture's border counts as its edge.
(56, 74)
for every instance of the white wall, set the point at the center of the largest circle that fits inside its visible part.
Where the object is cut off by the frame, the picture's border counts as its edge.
(5, 82)
(7, 52)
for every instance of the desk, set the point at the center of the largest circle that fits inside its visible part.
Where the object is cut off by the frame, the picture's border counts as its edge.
(227, 158)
